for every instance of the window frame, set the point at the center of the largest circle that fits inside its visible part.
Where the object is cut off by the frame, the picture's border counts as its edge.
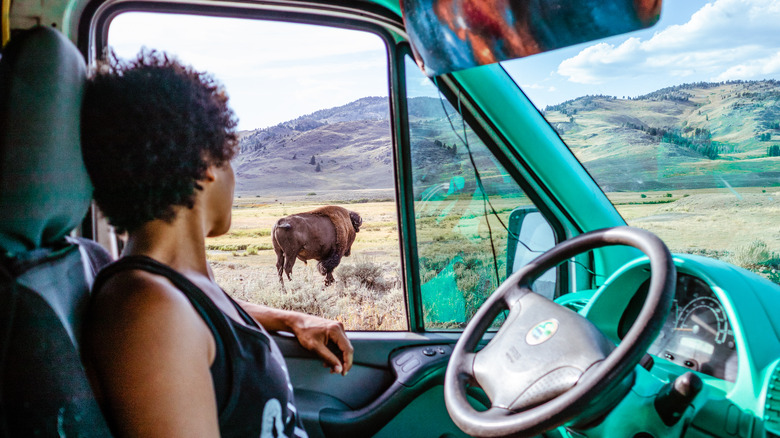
(93, 34)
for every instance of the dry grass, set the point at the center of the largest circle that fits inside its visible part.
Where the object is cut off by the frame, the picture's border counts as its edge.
(367, 294)
(252, 223)
(710, 219)
(739, 227)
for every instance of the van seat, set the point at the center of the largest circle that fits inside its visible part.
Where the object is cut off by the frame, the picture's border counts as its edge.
(45, 275)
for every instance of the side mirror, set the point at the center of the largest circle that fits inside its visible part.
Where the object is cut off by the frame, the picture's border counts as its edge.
(451, 35)
(530, 236)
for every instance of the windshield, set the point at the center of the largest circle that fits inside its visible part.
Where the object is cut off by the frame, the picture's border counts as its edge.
(679, 125)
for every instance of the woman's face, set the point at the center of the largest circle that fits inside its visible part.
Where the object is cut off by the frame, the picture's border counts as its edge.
(221, 198)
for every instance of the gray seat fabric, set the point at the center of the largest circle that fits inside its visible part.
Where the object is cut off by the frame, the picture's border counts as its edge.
(45, 276)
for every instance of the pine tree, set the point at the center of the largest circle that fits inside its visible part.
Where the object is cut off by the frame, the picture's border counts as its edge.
(312, 161)
(318, 168)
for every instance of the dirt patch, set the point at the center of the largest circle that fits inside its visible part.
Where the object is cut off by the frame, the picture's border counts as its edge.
(722, 201)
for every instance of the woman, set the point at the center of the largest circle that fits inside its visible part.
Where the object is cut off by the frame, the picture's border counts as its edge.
(171, 353)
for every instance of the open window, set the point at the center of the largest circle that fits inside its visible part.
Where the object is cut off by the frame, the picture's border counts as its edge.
(314, 121)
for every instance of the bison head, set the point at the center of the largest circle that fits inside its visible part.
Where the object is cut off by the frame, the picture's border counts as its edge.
(357, 221)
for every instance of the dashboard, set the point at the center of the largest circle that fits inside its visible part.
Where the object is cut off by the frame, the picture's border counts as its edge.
(696, 334)
(723, 324)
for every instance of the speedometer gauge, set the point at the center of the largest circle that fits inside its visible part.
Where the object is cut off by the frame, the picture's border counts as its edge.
(704, 318)
(696, 335)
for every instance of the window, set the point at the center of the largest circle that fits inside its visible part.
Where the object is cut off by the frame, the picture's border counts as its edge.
(314, 123)
(465, 206)
(683, 138)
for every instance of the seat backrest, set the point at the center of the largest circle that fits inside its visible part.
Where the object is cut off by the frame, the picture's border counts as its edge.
(45, 276)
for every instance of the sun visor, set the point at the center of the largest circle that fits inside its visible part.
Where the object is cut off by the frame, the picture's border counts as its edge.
(452, 35)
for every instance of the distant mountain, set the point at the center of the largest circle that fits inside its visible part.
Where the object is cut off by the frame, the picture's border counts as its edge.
(686, 134)
(343, 148)
(689, 134)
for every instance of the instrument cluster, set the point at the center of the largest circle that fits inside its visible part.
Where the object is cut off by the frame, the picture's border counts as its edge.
(697, 333)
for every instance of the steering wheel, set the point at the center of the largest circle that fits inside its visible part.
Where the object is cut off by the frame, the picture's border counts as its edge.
(548, 365)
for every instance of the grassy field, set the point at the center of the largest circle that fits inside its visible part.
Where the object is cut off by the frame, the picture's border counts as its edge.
(707, 221)
(738, 226)
(367, 294)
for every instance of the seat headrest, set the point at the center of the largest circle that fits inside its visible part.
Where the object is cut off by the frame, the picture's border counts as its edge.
(44, 187)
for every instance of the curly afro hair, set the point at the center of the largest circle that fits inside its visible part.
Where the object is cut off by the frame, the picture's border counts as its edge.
(150, 128)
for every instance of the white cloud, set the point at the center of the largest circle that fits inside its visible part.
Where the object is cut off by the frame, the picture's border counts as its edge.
(272, 71)
(727, 39)
(753, 68)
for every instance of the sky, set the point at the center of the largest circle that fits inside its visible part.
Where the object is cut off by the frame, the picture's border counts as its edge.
(693, 41)
(271, 79)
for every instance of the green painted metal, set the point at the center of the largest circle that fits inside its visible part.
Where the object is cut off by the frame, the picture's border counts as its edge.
(392, 5)
(748, 300)
(404, 194)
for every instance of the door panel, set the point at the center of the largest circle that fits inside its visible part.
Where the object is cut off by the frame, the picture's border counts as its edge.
(426, 416)
(394, 374)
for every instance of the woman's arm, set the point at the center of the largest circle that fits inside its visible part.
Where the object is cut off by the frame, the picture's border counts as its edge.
(313, 333)
(151, 355)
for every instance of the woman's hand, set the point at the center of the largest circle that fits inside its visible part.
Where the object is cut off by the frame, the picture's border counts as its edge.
(326, 338)
(323, 336)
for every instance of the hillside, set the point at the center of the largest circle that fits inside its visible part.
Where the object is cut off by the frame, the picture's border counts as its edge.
(689, 132)
(688, 136)
(350, 145)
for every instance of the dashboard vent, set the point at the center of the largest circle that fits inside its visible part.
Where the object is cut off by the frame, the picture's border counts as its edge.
(772, 403)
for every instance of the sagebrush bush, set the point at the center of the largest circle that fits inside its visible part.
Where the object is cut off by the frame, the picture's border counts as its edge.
(367, 273)
(369, 297)
(226, 247)
(753, 254)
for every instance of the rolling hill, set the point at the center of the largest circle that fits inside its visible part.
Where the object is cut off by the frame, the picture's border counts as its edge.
(346, 148)
(349, 146)
(692, 135)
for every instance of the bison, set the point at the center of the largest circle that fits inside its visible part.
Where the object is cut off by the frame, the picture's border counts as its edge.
(325, 234)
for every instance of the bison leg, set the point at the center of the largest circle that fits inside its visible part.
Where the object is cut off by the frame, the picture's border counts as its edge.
(329, 279)
(288, 265)
(330, 263)
(327, 266)
(280, 264)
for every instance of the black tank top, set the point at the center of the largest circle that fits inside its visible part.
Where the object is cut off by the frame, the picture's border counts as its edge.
(253, 390)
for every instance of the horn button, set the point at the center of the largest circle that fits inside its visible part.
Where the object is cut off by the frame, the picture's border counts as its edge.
(535, 357)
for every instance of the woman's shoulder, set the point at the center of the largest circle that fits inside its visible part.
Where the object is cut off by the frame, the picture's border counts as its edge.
(137, 303)
(136, 287)
(151, 354)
